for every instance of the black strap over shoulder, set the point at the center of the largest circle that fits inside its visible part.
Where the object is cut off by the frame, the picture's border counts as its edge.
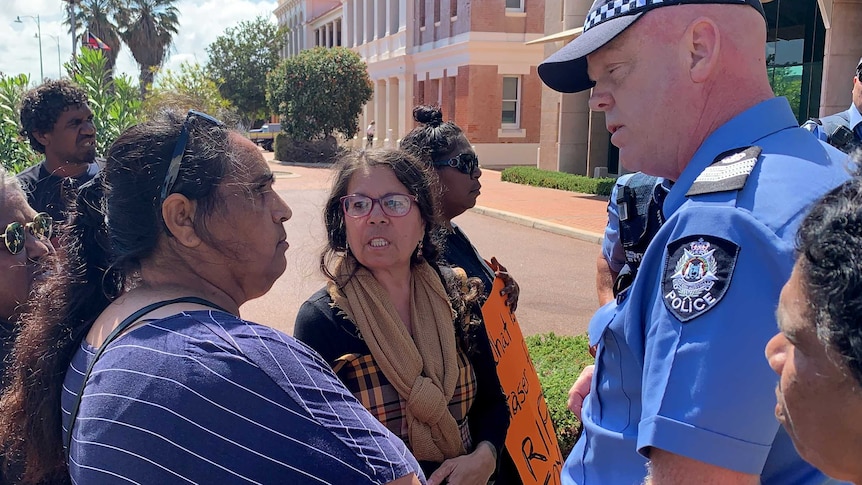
(122, 327)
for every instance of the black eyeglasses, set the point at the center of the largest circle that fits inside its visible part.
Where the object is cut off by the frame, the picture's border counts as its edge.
(180, 150)
(41, 227)
(466, 163)
(393, 205)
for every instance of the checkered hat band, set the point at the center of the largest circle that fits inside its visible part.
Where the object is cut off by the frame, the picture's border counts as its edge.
(615, 9)
(618, 8)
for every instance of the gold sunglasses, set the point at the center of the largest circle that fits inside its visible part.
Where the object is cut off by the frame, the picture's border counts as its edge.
(41, 227)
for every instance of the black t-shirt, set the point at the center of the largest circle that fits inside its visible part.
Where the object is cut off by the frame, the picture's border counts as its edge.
(458, 251)
(52, 194)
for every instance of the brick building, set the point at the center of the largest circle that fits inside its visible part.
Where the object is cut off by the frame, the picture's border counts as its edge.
(812, 49)
(470, 57)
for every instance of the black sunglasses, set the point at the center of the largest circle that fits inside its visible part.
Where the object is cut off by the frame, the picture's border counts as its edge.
(41, 227)
(466, 163)
(180, 150)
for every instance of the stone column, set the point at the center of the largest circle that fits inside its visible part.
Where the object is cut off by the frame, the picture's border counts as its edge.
(842, 53)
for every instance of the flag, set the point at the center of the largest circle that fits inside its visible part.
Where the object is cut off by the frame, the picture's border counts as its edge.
(93, 42)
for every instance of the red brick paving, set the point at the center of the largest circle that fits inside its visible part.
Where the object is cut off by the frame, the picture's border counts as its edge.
(581, 212)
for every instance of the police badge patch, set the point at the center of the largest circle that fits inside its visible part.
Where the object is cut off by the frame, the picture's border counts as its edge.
(697, 274)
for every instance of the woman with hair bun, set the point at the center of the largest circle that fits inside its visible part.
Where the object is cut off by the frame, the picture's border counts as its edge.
(444, 147)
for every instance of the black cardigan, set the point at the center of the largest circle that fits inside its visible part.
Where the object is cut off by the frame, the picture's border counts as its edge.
(326, 330)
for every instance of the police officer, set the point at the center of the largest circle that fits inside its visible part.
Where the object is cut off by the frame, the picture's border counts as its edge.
(842, 130)
(679, 382)
(634, 217)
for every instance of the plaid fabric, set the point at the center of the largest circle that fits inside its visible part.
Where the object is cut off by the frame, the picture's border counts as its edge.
(366, 381)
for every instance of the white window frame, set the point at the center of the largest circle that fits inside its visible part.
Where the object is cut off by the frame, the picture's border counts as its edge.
(518, 9)
(517, 100)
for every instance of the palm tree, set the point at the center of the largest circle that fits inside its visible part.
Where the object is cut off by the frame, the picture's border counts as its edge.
(98, 18)
(147, 27)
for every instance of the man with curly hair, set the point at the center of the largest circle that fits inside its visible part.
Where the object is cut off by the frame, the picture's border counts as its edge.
(57, 119)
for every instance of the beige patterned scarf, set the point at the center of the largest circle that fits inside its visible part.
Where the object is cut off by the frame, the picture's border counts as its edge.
(423, 368)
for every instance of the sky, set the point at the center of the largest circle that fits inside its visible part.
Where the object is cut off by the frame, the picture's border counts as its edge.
(201, 22)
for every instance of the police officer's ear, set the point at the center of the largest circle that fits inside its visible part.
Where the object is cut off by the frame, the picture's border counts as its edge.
(702, 38)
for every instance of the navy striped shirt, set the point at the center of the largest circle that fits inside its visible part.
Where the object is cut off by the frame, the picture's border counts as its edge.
(204, 397)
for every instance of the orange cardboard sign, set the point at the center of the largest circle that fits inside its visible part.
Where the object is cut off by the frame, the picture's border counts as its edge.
(531, 440)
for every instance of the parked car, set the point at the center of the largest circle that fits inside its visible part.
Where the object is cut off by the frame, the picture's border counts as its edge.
(265, 135)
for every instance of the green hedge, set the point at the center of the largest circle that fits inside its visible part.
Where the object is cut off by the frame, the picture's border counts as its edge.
(558, 361)
(558, 180)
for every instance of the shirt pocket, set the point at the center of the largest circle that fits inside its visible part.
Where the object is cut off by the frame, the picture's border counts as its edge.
(610, 406)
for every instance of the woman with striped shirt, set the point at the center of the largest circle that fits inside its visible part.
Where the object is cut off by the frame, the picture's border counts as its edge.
(135, 366)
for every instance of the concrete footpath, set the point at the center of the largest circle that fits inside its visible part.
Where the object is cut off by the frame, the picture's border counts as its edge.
(581, 216)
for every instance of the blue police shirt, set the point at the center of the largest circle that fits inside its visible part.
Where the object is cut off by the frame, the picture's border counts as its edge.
(855, 124)
(612, 248)
(682, 368)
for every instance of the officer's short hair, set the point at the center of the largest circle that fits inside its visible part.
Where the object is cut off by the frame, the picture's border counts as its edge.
(829, 245)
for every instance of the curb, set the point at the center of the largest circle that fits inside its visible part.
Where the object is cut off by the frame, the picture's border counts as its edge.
(523, 220)
(539, 224)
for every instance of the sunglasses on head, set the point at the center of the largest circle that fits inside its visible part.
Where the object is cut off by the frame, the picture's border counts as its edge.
(393, 205)
(41, 227)
(180, 150)
(466, 163)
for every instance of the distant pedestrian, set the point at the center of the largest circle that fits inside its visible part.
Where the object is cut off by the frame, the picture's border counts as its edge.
(369, 135)
(58, 121)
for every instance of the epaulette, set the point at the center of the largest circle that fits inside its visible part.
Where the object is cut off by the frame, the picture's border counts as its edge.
(728, 171)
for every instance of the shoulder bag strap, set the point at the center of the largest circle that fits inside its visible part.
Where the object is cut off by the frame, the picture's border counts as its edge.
(125, 324)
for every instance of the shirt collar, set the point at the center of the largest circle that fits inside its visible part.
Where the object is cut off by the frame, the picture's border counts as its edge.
(855, 116)
(745, 129)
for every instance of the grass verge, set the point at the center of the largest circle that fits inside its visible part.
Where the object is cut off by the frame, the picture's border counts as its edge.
(558, 361)
(558, 180)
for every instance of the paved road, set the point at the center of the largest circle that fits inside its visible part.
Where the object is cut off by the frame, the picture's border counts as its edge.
(556, 273)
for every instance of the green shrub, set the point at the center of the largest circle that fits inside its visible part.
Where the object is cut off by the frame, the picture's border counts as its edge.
(15, 152)
(316, 151)
(114, 100)
(558, 180)
(319, 93)
(558, 361)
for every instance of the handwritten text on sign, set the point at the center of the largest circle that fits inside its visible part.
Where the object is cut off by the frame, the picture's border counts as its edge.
(531, 440)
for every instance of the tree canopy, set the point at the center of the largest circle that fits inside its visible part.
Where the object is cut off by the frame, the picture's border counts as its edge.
(319, 92)
(189, 87)
(239, 61)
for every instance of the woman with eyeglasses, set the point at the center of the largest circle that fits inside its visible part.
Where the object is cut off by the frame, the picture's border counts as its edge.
(403, 333)
(134, 365)
(455, 168)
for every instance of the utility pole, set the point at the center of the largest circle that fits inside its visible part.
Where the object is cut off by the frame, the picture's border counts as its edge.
(73, 21)
(39, 35)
